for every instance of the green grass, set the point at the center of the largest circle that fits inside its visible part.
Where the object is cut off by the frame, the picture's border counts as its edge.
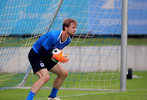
(136, 90)
(97, 41)
(75, 80)
(12, 79)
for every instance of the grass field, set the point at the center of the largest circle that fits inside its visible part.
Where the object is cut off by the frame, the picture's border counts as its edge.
(95, 80)
(136, 90)
(97, 41)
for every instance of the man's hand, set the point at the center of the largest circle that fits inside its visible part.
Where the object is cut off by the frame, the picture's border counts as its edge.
(60, 57)
(66, 54)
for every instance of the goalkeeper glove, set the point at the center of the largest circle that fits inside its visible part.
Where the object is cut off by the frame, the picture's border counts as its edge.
(60, 57)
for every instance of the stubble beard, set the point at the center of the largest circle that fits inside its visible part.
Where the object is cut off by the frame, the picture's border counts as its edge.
(70, 34)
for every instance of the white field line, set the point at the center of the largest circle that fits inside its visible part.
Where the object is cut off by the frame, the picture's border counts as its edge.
(90, 94)
(77, 95)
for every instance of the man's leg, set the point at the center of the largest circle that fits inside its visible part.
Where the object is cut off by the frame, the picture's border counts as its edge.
(43, 78)
(62, 73)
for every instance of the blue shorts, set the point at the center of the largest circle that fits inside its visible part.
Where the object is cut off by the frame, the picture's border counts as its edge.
(37, 62)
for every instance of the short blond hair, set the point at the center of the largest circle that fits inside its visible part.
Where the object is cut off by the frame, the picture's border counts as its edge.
(66, 22)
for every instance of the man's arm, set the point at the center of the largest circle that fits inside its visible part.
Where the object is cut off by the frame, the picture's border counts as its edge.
(45, 53)
(60, 57)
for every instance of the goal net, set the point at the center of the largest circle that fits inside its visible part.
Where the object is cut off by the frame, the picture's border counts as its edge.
(94, 51)
(22, 23)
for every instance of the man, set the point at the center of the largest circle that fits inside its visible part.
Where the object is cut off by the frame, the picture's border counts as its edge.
(40, 57)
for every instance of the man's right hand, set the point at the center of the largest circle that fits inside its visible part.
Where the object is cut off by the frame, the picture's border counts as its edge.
(60, 57)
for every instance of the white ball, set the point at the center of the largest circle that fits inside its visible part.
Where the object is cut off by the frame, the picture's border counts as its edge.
(56, 51)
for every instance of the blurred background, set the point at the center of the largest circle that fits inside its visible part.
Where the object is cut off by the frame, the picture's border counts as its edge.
(94, 48)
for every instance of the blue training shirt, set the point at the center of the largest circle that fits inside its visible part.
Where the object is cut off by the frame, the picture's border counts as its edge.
(50, 41)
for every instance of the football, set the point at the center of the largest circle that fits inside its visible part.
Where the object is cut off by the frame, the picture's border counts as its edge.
(55, 51)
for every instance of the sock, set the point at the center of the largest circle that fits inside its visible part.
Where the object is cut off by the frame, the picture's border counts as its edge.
(30, 96)
(54, 92)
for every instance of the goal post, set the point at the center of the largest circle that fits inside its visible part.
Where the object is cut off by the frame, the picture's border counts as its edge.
(124, 45)
(94, 52)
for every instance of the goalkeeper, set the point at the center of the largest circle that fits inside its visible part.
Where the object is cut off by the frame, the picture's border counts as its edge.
(40, 57)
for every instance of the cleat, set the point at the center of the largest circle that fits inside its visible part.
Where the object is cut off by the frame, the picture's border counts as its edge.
(56, 98)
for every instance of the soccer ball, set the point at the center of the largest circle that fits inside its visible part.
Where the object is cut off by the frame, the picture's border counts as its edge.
(55, 51)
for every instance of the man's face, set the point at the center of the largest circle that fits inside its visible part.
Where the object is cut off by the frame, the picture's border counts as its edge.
(71, 29)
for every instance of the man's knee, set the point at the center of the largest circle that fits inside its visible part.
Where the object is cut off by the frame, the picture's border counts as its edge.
(65, 74)
(43, 75)
(44, 78)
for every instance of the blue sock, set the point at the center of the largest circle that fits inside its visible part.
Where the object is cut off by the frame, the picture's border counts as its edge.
(54, 92)
(30, 96)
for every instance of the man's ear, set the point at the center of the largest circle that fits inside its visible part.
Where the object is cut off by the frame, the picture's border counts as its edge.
(66, 28)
